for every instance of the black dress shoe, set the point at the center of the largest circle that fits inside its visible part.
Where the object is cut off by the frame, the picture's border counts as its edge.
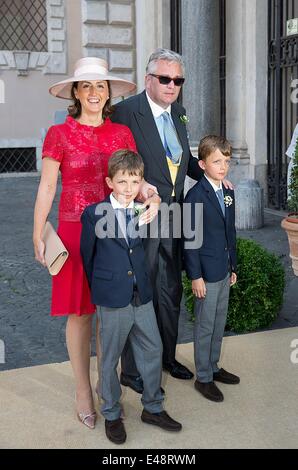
(209, 390)
(135, 383)
(226, 377)
(115, 431)
(178, 371)
(162, 420)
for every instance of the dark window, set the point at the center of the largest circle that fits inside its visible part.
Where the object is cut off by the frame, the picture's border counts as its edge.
(17, 160)
(23, 25)
(176, 34)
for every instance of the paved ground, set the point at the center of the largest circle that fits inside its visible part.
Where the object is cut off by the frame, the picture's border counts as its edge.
(30, 335)
(37, 405)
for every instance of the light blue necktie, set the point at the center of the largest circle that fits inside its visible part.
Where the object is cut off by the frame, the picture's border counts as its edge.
(220, 197)
(172, 145)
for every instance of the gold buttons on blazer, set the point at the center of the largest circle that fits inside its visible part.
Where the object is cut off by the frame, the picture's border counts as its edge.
(130, 251)
(130, 273)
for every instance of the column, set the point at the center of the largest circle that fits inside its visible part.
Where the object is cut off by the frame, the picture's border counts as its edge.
(200, 50)
(246, 87)
(236, 80)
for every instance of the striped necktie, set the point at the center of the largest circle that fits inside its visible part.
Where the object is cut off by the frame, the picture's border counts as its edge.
(172, 145)
(126, 217)
(129, 225)
(220, 197)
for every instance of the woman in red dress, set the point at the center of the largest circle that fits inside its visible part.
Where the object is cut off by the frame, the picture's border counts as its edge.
(80, 149)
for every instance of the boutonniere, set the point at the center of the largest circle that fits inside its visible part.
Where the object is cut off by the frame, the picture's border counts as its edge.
(184, 119)
(228, 200)
(139, 209)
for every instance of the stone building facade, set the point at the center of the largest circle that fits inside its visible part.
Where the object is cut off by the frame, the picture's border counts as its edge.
(125, 32)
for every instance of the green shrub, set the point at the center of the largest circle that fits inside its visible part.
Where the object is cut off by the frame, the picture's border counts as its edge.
(257, 296)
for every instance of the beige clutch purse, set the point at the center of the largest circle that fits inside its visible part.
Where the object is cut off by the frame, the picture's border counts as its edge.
(55, 252)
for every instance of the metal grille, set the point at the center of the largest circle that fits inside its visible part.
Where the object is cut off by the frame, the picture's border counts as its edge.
(282, 113)
(17, 160)
(23, 25)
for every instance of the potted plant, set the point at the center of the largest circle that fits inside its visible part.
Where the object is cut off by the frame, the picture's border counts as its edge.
(290, 223)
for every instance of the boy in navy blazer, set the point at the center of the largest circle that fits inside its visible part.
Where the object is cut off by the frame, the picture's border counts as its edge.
(114, 261)
(212, 267)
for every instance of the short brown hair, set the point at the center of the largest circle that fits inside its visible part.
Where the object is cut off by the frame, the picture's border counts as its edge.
(125, 160)
(210, 143)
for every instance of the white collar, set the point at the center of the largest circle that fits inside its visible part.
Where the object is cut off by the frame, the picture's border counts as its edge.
(216, 188)
(116, 204)
(156, 109)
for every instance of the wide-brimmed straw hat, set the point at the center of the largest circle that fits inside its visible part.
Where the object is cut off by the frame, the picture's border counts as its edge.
(92, 68)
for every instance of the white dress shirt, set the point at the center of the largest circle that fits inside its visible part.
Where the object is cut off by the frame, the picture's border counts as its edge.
(216, 188)
(157, 112)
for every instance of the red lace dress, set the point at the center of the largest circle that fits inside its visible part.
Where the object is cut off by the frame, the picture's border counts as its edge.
(84, 152)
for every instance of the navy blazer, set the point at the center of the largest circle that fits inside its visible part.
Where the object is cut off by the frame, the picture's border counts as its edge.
(217, 255)
(111, 264)
(135, 112)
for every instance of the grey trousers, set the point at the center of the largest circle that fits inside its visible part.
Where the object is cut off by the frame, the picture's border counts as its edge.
(138, 324)
(210, 320)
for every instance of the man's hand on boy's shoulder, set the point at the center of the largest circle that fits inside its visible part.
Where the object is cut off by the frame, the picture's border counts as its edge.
(199, 288)
(227, 184)
(152, 202)
(233, 279)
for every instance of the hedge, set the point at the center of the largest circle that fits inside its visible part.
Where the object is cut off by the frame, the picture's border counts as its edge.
(257, 296)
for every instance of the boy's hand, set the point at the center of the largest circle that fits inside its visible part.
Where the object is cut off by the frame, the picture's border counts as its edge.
(233, 279)
(227, 184)
(199, 288)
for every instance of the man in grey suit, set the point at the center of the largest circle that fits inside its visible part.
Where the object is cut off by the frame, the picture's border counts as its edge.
(157, 122)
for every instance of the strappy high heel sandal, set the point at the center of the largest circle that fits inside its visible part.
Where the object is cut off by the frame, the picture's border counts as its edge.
(88, 419)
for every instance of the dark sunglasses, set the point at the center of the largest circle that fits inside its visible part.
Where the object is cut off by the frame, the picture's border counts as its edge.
(166, 80)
